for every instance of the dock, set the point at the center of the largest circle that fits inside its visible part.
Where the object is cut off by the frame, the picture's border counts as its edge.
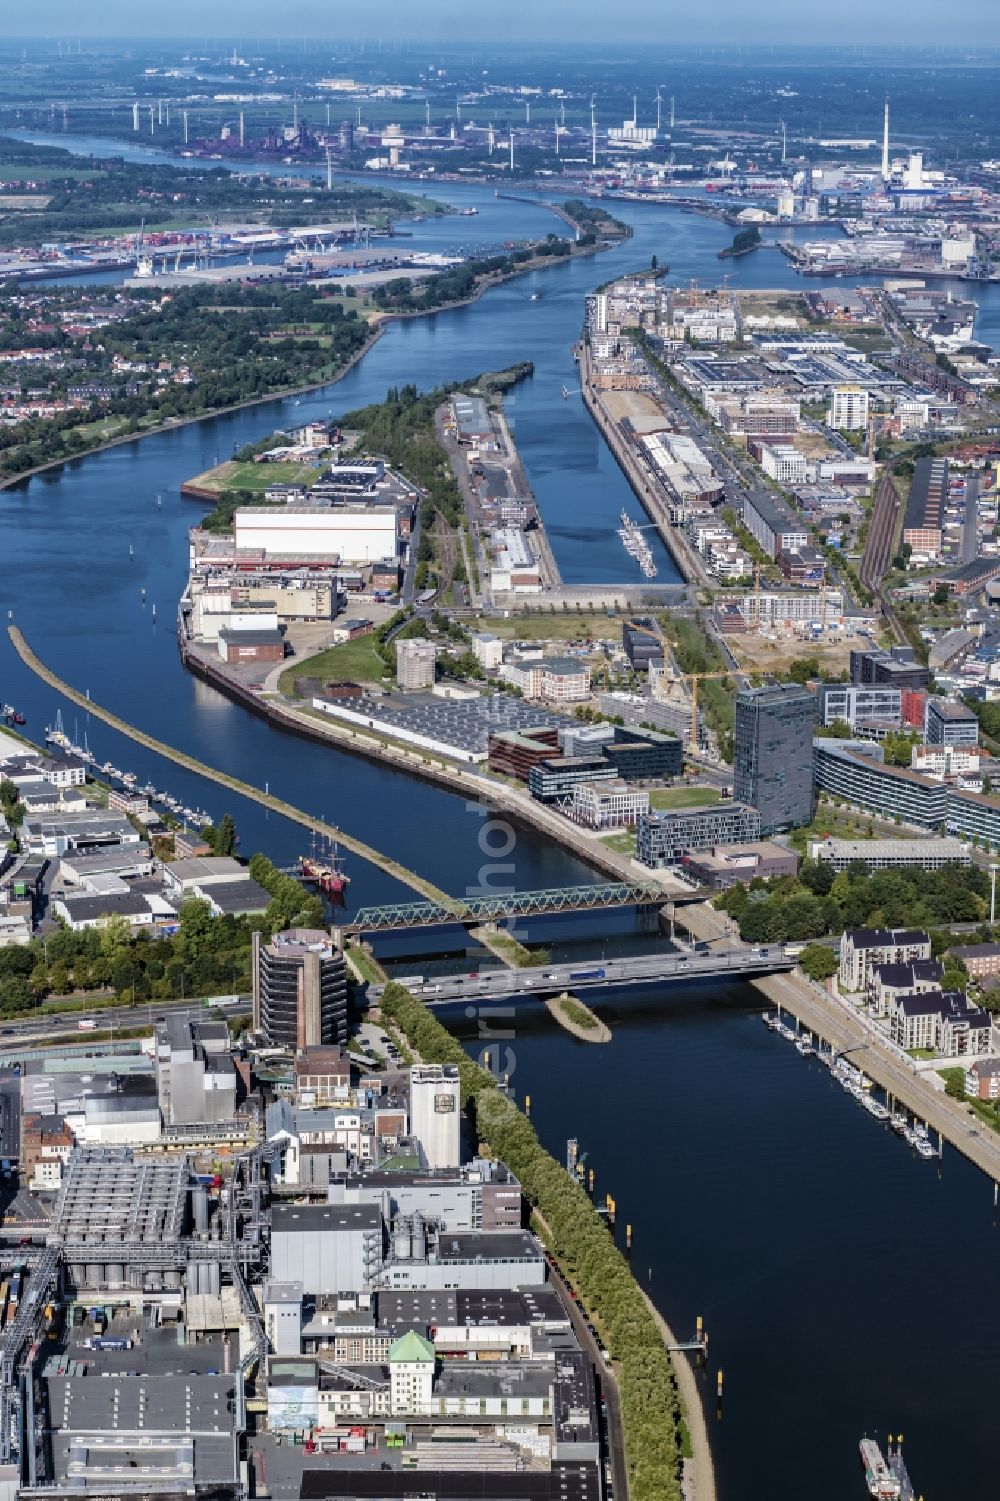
(647, 490)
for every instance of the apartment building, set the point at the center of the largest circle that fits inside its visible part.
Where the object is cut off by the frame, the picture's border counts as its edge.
(863, 949)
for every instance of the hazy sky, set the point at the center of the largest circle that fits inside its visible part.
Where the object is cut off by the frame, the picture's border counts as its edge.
(660, 22)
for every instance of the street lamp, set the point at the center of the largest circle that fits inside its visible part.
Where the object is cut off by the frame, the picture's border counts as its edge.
(993, 893)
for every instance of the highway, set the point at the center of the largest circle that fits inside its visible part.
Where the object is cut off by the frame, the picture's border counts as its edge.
(34, 1030)
(636, 969)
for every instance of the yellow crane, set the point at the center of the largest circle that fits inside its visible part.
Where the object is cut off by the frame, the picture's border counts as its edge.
(694, 678)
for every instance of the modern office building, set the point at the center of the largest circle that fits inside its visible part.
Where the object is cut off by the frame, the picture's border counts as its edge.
(897, 668)
(663, 838)
(949, 723)
(609, 804)
(554, 780)
(849, 703)
(435, 1112)
(852, 771)
(299, 989)
(642, 643)
(772, 763)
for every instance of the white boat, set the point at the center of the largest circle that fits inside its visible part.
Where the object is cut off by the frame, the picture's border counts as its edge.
(925, 1149)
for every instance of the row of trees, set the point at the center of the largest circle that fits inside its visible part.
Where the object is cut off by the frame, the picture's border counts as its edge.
(650, 1408)
(206, 955)
(818, 901)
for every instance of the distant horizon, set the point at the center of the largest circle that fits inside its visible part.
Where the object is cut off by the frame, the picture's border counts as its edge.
(770, 23)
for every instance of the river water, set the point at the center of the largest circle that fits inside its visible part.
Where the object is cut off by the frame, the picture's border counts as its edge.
(830, 1266)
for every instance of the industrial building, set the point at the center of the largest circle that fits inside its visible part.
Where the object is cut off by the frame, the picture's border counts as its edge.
(435, 1113)
(923, 522)
(353, 533)
(460, 728)
(299, 989)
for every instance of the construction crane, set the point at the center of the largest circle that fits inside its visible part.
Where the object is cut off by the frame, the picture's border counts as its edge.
(694, 678)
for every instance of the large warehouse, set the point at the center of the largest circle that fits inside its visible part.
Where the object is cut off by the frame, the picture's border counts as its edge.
(349, 533)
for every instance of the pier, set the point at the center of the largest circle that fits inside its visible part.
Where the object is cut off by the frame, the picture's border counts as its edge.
(223, 779)
(647, 489)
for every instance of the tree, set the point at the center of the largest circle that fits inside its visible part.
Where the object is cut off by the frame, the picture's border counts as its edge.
(818, 961)
(116, 936)
(197, 928)
(223, 837)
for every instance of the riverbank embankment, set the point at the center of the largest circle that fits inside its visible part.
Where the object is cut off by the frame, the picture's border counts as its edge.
(837, 1023)
(378, 326)
(498, 796)
(647, 492)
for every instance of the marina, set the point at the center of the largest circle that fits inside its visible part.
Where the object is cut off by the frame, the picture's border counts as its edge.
(57, 737)
(856, 1083)
(635, 543)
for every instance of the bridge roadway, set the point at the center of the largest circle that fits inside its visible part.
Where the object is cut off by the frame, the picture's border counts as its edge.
(735, 962)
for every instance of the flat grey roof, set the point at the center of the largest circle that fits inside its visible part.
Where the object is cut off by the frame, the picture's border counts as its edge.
(290, 1218)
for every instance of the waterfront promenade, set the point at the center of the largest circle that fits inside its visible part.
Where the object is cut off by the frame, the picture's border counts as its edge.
(847, 1031)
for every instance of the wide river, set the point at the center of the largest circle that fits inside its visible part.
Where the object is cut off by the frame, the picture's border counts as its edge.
(828, 1263)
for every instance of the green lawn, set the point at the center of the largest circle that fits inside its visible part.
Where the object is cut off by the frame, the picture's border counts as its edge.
(623, 841)
(683, 797)
(258, 477)
(352, 661)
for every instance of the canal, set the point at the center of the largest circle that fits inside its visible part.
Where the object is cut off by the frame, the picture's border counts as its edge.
(827, 1262)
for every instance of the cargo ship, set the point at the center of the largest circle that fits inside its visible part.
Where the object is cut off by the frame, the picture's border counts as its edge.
(886, 1475)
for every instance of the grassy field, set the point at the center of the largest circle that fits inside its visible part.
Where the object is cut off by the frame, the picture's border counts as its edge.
(257, 477)
(352, 661)
(683, 797)
(561, 625)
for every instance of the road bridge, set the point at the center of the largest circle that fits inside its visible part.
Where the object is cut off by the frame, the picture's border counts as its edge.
(514, 904)
(732, 962)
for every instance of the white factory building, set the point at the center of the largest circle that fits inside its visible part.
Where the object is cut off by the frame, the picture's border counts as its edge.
(351, 533)
(435, 1106)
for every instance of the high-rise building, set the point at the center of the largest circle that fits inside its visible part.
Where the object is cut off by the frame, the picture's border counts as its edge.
(435, 1101)
(415, 659)
(299, 989)
(772, 763)
(848, 408)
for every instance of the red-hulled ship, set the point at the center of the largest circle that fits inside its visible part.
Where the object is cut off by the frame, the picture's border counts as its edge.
(328, 875)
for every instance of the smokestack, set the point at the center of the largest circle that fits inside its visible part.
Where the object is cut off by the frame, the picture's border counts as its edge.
(885, 143)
